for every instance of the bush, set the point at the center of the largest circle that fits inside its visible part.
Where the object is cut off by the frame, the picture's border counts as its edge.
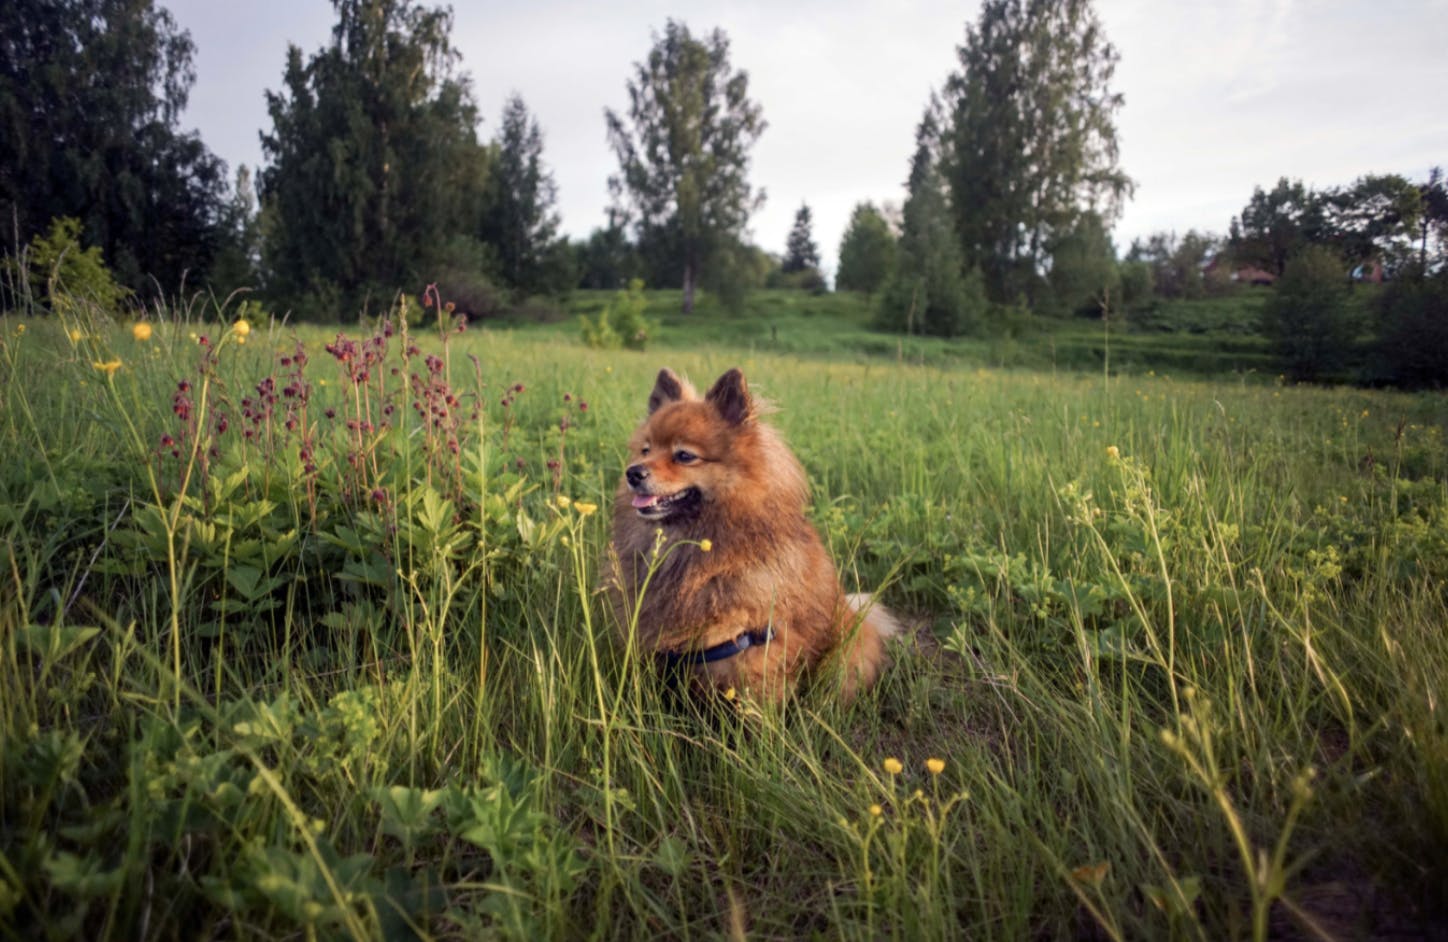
(621, 324)
(66, 274)
(806, 279)
(1308, 319)
(1412, 346)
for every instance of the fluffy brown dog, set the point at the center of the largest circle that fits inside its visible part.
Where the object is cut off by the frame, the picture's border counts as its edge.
(711, 550)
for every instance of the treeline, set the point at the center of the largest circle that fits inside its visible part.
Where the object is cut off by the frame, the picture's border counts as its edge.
(375, 180)
(376, 183)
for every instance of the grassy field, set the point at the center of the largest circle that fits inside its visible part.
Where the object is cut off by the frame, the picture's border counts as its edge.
(300, 638)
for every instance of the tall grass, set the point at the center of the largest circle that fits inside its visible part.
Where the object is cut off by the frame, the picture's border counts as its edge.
(1178, 670)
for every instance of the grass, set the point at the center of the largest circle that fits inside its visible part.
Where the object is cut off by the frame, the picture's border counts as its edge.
(1178, 669)
(1169, 338)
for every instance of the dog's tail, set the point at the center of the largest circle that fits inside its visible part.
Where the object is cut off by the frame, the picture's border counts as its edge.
(869, 626)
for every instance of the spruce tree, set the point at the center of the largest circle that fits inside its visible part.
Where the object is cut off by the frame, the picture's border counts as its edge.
(800, 253)
(929, 292)
(521, 220)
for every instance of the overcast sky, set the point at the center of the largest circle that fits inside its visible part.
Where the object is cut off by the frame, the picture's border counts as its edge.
(1220, 96)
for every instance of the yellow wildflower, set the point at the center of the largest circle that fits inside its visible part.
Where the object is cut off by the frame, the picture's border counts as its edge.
(563, 500)
(76, 335)
(141, 331)
(876, 811)
(19, 328)
(108, 367)
(242, 327)
(1113, 452)
(893, 765)
(934, 766)
(706, 545)
(585, 508)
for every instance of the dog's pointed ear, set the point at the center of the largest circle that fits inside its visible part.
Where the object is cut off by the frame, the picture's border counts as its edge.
(669, 388)
(730, 397)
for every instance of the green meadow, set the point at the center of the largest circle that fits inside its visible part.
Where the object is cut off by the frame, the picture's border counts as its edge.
(300, 637)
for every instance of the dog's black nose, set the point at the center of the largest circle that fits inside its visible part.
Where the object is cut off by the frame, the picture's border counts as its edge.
(636, 475)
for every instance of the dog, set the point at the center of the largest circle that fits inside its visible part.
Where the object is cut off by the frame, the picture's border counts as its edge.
(715, 572)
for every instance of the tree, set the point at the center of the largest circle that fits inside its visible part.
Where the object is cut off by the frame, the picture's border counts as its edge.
(1030, 139)
(91, 93)
(684, 153)
(375, 170)
(606, 259)
(1083, 278)
(1433, 221)
(238, 259)
(1275, 225)
(1374, 219)
(1178, 265)
(800, 253)
(928, 292)
(867, 251)
(520, 220)
(1412, 343)
(1307, 318)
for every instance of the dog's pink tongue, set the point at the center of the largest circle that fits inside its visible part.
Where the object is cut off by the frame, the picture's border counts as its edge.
(641, 501)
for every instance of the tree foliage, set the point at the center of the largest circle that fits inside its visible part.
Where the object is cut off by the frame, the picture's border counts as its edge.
(800, 253)
(1178, 264)
(520, 219)
(928, 292)
(606, 259)
(1083, 278)
(1276, 224)
(1375, 218)
(1031, 136)
(683, 154)
(1413, 332)
(91, 92)
(867, 251)
(67, 275)
(1308, 318)
(374, 160)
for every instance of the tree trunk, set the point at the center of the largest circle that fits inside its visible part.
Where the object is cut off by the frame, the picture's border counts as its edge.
(689, 287)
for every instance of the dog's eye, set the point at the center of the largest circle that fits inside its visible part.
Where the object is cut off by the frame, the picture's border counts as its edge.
(644, 450)
(685, 457)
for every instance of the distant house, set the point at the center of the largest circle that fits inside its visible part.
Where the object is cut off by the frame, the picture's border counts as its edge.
(1250, 275)
(1241, 274)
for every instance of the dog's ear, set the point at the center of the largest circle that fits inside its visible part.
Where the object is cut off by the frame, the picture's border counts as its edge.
(730, 396)
(669, 388)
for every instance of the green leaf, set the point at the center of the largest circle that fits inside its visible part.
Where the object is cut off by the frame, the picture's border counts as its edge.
(83, 877)
(54, 641)
(672, 856)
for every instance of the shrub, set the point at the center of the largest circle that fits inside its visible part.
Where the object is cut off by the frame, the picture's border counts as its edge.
(621, 324)
(806, 279)
(1412, 343)
(66, 274)
(1308, 319)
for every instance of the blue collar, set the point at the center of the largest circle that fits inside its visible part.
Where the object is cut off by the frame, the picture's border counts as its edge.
(673, 660)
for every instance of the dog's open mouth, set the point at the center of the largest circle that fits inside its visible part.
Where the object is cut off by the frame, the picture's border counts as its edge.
(659, 507)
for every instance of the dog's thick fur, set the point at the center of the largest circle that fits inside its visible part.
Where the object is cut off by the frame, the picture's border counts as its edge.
(710, 470)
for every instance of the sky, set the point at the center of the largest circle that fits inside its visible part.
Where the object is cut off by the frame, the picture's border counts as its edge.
(1220, 97)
